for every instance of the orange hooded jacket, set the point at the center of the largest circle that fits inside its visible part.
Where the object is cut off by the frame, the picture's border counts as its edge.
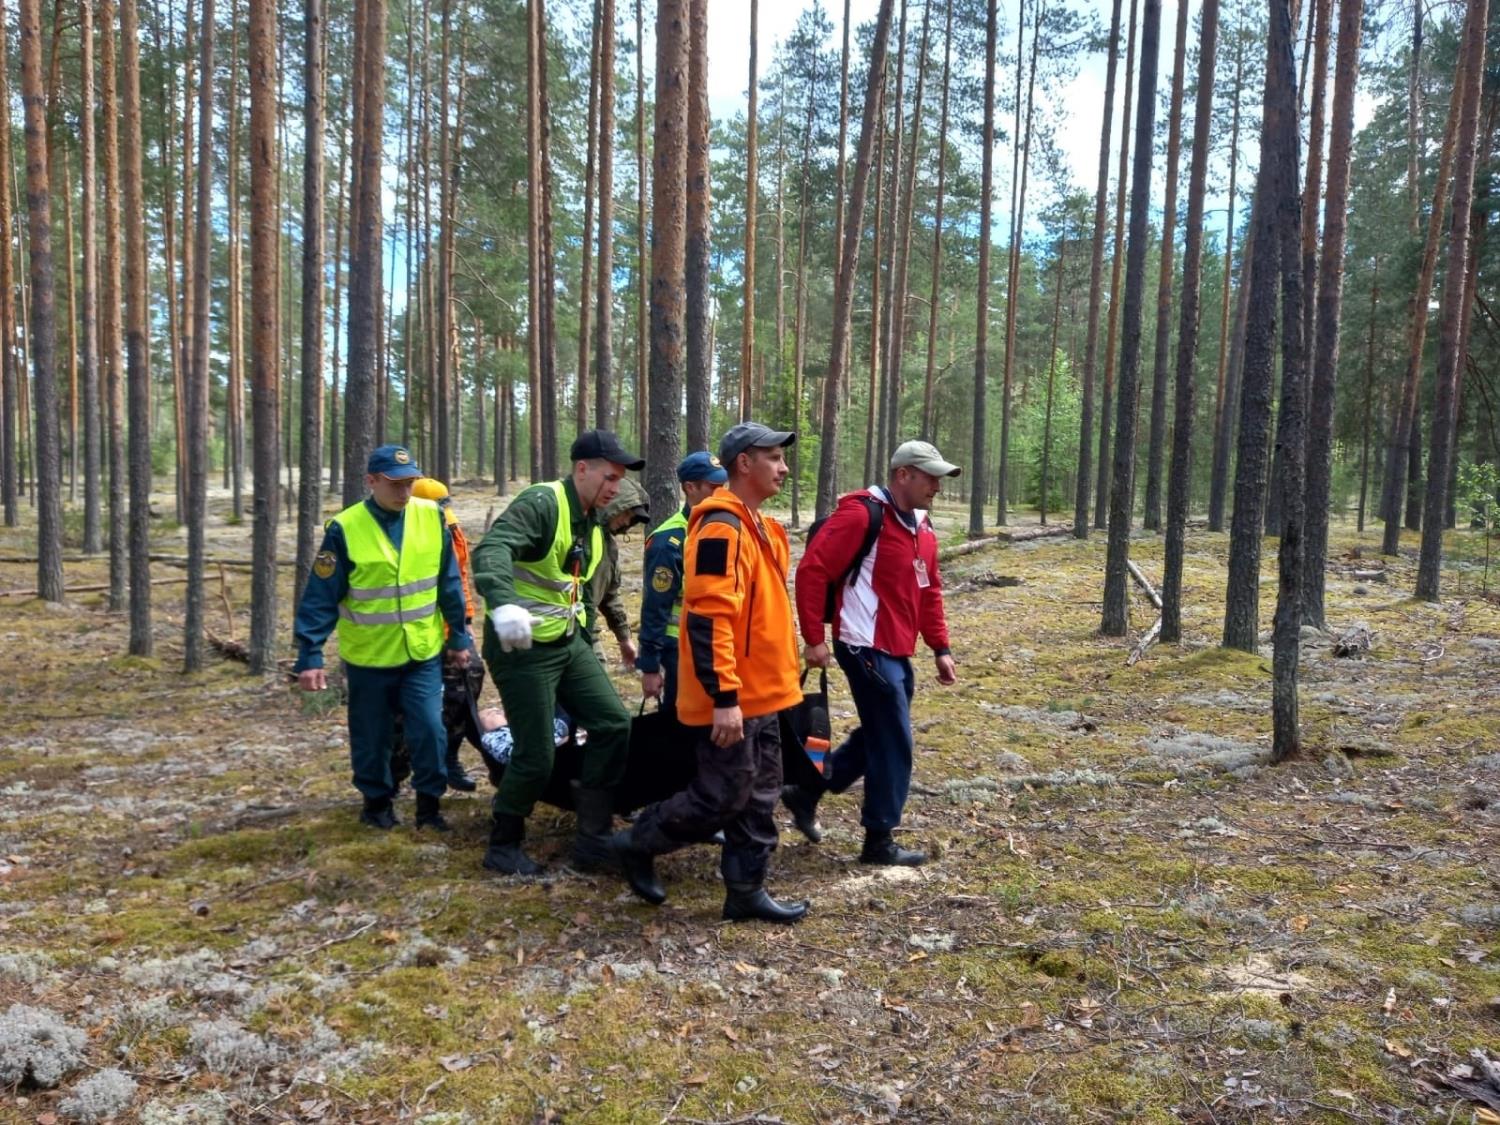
(737, 645)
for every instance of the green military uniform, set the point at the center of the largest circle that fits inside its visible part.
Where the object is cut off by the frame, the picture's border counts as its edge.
(541, 554)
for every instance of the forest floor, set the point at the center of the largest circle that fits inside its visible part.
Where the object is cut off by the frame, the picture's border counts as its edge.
(1129, 915)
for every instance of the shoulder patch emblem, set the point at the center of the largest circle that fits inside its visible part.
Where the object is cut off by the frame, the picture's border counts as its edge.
(325, 564)
(661, 579)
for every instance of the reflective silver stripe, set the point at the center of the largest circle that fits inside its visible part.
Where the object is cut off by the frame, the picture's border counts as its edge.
(376, 593)
(395, 617)
(541, 609)
(535, 579)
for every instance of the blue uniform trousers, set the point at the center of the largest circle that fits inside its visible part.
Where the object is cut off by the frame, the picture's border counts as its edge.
(376, 696)
(880, 749)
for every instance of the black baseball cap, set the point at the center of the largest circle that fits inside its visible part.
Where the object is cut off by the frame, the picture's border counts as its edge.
(604, 445)
(752, 435)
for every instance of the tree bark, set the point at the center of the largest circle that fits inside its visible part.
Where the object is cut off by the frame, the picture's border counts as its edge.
(747, 319)
(365, 249)
(843, 280)
(1224, 399)
(595, 136)
(1101, 496)
(445, 384)
(263, 360)
(1062, 244)
(982, 295)
(937, 230)
(92, 451)
(668, 220)
(1330, 297)
(1151, 517)
(42, 329)
(198, 381)
(9, 390)
(699, 357)
(642, 324)
(799, 353)
(310, 494)
(1451, 342)
(604, 357)
(1115, 619)
(1096, 294)
(549, 260)
(1404, 449)
(1180, 478)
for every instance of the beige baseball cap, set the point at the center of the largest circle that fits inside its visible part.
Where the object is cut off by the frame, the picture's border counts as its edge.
(923, 455)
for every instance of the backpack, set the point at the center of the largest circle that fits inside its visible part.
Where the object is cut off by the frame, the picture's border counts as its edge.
(876, 511)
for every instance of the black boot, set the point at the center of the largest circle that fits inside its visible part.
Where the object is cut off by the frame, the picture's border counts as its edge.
(882, 851)
(430, 814)
(803, 805)
(591, 847)
(379, 814)
(504, 854)
(749, 901)
(458, 777)
(638, 866)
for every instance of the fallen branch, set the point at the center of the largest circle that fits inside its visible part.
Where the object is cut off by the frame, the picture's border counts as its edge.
(90, 589)
(1144, 583)
(1145, 642)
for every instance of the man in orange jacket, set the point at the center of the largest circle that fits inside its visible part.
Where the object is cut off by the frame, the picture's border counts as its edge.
(737, 655)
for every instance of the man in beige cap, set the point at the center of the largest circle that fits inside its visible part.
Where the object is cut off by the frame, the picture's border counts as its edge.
(872, 574)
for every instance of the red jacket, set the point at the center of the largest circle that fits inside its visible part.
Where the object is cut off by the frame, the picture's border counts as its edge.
(887, 606)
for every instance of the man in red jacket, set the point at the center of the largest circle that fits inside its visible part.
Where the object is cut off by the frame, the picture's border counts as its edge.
(881, 601)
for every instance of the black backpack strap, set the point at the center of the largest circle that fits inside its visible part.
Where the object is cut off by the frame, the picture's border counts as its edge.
(876, 511)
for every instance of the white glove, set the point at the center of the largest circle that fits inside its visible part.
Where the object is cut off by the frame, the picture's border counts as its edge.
(512, 626)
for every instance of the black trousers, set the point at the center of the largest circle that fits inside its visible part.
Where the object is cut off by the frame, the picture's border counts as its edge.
(735, 790)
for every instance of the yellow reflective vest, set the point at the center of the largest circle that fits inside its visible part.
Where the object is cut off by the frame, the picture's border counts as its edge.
(390, 614)
(552, 588)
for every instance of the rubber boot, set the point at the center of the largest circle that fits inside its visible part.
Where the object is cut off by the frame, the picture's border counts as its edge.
(803, 805)
(749, 902)
(504, 855)
(458, 777)
(638, 866)
(430, 814)
(591, 847)
(881, 851)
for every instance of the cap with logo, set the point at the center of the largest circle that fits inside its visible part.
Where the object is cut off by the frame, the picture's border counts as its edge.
(923, 455)
(393, 461)
(701, 465)
(752, 435)
(604, 445)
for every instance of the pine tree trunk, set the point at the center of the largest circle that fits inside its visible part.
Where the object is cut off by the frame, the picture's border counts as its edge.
(1325, 363)
(1451, 342)
(196, 406)
(752, 173)
(9, 390)
(310, 483)
(1180, 475)
(234, 407)
(844, 279)
(937, 230)
(585, 294)
(905, 223)
(340, 280)
(184, 341)
(1101, 491)
(1223, 410)
(1062, 243)
(263, 330)
(1369, 403)
(642, 324)
(1151, 517)
(445, 384)
(885, 426)
(1096, 290)
(982, 293)
(42, 329)
(759, 394)
(872, 416)
(1404, 458)
(111, 329)
(1279, 148)
(548, 261)
(1115, 619)
(668, 220)
(365, 247)
(799, 354)
(1013, 280)
(604, 344)
(92, 451)
(697, 250)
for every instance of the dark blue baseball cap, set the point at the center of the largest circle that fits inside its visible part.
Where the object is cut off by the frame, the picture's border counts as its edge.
(393, 461)
(702, 465)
